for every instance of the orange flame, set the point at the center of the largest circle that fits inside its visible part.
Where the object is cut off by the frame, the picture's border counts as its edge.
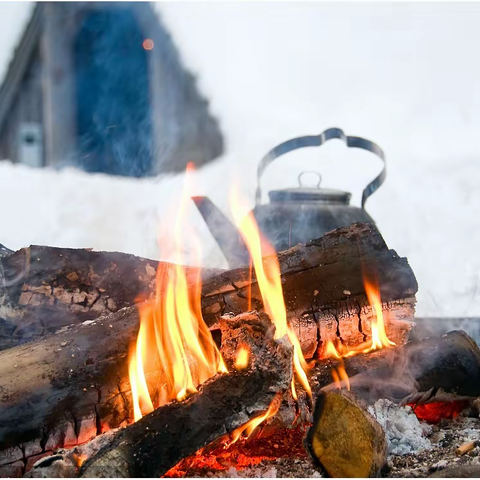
(343, 375)
(331, 351)
(339, 373)
(378, 341)
(249, 286)
(173, 338)
(379, 335)
(267, 271)
(252, 424)
(79, 459)
(241, 361)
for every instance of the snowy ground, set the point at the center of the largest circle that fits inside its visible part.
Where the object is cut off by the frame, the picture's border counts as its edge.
(400, 74)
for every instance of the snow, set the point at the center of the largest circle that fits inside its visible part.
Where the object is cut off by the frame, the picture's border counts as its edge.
(404, 432)
(400, 74)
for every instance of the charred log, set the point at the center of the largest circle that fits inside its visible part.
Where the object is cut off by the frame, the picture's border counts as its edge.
(154, 444)
(46, 288)
(69, 387)
(435, 369)
(65, 388)
(150, 447)
(323, 288)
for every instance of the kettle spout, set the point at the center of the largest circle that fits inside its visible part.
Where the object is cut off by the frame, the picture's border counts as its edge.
(224, 232)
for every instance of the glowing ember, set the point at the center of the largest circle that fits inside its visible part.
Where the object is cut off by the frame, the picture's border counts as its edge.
(79, 459)
(241, 362)
(267, 271)
(434, 412)
(270, 444)
(173, 336)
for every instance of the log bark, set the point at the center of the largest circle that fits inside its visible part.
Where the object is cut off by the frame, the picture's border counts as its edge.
(46, 288)
(345, 440)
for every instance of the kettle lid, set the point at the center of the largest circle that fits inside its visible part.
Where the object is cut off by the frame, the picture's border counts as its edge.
(310, 194)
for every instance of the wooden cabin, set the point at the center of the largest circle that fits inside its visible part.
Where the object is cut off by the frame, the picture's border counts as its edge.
(101, 86)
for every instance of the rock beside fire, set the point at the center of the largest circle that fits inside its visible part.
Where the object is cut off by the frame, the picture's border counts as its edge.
(345, 439)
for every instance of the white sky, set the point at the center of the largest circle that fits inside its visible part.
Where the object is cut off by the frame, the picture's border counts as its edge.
(13, 19)
(405, 75)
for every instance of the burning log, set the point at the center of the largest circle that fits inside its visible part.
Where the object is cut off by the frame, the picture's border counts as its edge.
(324, 291)
(154, 444)
(47, 288)
(454, 354)
(69, 387)
(345, 439)
(435, 369)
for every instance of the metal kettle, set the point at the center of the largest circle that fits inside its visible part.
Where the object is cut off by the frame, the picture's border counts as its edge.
(294, 215)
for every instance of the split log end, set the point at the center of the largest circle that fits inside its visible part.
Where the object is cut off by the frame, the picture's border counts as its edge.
(345, 439)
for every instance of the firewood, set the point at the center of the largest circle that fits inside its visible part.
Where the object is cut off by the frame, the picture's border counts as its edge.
(442, 368)
(345, 439)
(322, 284)
(154, 444)
(70, 386)
(46, 288)
(60, 413)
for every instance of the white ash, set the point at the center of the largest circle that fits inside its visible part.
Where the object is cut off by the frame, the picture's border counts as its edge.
(258, 472)
(279, 468)
(405, 433)
(447, 436)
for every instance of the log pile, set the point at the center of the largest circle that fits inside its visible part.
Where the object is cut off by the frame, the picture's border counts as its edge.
(344, 440)
(69, 318)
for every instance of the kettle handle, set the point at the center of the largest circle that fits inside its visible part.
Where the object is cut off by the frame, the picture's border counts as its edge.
(316, 141)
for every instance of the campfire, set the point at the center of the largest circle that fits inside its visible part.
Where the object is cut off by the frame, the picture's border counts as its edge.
(113, 365)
